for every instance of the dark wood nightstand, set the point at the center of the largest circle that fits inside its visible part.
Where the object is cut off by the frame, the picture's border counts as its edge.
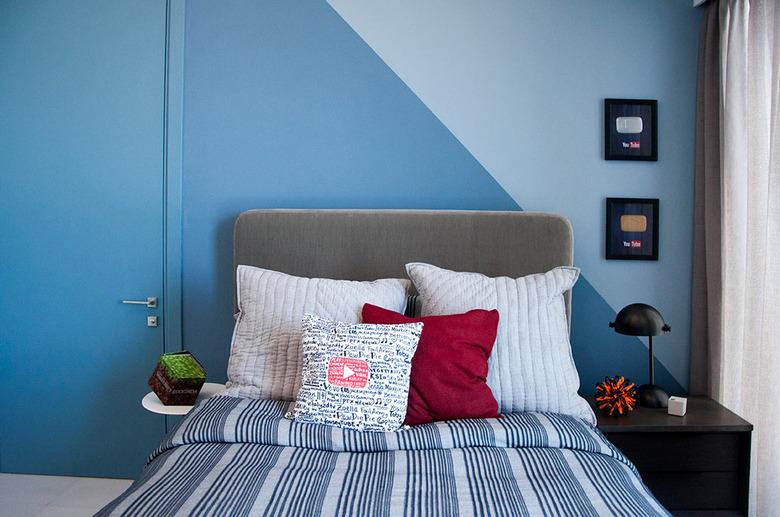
(698, 464)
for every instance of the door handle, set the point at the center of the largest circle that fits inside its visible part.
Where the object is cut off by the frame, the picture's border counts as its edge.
(150, 302)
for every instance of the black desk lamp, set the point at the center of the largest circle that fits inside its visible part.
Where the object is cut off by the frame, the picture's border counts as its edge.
(640, 319)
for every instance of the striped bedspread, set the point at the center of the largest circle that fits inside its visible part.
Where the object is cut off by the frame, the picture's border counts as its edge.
(235, 456)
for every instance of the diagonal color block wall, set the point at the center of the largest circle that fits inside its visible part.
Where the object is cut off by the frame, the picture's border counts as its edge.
(287, 106)
(521, 84)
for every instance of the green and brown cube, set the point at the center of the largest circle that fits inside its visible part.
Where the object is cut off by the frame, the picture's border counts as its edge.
(177, 379)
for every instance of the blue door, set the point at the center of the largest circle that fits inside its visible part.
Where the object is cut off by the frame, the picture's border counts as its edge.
(81, 229)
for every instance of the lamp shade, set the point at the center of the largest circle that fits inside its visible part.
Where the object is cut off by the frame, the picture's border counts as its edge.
(639, 319)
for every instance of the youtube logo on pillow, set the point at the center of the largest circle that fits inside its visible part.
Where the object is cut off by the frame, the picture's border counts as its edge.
(348, 372)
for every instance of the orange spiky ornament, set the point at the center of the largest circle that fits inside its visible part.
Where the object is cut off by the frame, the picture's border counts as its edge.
(616, 395)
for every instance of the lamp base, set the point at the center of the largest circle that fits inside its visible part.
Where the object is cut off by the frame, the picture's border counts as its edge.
(650, 395)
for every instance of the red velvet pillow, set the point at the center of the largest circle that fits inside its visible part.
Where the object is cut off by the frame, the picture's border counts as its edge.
(449, 369)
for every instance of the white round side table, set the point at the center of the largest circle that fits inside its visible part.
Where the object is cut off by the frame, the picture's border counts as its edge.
(151, 403)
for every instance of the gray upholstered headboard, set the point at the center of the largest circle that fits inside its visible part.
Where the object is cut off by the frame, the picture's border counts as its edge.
(371, 244)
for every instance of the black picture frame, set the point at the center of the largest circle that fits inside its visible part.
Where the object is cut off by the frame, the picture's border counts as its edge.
(626, 144)
(621, 242)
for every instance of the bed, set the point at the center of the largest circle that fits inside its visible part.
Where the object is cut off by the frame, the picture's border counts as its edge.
(241, 456)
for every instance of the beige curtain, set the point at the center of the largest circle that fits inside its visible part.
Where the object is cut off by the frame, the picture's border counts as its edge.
(735, 350)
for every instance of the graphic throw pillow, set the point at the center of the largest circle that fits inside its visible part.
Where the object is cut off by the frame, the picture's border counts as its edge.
(449, 369)
(265, 353)
(531, 367)
(355, 376)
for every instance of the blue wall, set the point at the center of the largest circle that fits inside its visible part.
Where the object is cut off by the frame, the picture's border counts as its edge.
(286, 106)
(81, 195)
(522, 84)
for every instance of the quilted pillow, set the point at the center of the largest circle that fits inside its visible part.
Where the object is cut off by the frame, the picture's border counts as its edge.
(531, 367)
(355, 376)
(450, 366)
(265, 357)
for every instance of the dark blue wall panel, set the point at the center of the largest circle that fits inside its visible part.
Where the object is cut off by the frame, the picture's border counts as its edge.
(286, 107)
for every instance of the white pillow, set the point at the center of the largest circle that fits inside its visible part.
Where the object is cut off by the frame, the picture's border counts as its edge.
(355, 376)
(531, 367)
(265, 353)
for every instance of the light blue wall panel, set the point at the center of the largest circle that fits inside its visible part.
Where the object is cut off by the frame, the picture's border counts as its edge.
(285, 106)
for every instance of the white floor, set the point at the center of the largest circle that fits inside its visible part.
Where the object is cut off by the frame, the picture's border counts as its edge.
(23, 496)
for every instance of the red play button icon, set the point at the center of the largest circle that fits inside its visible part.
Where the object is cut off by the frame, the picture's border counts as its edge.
(348, 372)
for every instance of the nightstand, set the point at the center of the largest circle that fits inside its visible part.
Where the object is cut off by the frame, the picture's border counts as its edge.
(152, 403)
(698, 464)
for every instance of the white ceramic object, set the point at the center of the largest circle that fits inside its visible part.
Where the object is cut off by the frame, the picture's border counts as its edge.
(678, 406)
(152, 403)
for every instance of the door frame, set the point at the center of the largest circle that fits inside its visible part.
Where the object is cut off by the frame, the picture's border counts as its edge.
(173, 119)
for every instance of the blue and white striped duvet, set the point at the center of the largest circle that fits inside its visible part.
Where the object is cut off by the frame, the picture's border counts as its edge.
(233, 456)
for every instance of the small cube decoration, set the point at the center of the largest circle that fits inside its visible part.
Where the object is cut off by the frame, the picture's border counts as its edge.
(678, 406)
(177, 379)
